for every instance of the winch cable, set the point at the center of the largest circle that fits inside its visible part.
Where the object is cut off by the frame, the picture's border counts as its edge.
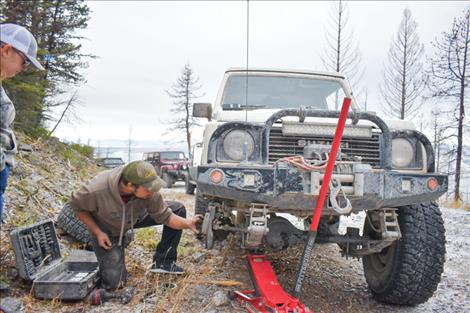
(299, 161)
(321, 198)
(334, 186)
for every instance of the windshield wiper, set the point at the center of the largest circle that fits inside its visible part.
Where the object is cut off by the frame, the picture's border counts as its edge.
(239, 107)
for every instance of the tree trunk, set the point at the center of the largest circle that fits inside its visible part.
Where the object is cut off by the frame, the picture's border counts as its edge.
(403, 80)
(51, 35)
(188, 135)
(457, 197)
(69, 103)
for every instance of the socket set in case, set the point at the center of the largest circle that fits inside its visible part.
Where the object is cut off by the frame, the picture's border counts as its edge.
(38, 259)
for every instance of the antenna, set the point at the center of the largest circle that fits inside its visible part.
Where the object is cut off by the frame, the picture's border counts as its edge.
(247, 55)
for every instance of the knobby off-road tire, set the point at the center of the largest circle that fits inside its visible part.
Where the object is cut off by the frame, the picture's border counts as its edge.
(201, 206)
(408, 271)
(69, 223)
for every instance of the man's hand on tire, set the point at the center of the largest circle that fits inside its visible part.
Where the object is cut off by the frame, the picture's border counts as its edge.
(196, 219)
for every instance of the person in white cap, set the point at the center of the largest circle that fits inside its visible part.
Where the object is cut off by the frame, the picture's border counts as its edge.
(18, 49)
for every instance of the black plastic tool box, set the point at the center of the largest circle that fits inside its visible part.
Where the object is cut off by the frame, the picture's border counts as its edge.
(38, 259)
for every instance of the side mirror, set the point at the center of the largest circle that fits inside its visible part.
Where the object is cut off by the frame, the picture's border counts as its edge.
(202, 110)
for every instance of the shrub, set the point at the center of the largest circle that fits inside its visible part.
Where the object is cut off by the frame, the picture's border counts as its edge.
(84, 150)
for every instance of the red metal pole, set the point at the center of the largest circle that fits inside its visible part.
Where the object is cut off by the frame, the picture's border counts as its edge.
(321, 197)
(331, 164)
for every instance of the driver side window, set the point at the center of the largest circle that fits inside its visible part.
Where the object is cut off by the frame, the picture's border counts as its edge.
(335, 99)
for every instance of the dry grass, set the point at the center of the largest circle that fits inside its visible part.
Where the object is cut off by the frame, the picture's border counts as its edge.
(455, 204)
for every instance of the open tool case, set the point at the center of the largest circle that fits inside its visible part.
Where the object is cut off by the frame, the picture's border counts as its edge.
(38, 259)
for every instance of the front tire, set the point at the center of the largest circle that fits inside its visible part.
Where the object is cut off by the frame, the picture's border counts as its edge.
(408, 271)
(78, 231)
(75, 228)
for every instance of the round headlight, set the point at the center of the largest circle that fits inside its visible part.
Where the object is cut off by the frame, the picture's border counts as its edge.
(236, 142)
(402, 153)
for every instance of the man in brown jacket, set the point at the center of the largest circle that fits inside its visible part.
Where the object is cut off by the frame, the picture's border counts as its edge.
(124, 198)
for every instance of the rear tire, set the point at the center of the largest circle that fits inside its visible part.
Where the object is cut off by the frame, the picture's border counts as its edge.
(327, 226)
(188, 186)
(408, 271)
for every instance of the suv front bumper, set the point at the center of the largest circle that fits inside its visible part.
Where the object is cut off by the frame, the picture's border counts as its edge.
(288, 189)
(177, 174)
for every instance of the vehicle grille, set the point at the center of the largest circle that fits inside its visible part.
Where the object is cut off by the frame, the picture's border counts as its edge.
(282, 146)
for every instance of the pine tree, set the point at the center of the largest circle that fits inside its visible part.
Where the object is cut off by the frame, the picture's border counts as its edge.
(182, 93)
(54, 24)
(403, 81)
(340, 53)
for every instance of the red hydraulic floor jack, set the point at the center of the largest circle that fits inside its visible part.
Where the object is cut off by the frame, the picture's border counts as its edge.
(268, 295)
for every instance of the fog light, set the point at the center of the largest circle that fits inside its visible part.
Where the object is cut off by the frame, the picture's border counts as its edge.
(432, 184)
(216, 176)
(406, 185)
(248, 180)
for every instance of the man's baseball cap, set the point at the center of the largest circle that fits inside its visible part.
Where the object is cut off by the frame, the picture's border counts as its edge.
(143, 174)
(21, 39)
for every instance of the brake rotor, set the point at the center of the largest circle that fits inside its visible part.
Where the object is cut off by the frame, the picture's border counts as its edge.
(207, 227)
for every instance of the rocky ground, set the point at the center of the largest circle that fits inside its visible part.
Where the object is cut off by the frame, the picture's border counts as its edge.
(42, 182)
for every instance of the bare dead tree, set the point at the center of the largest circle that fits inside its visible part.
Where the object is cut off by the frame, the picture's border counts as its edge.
(403, 76)
(440, 131)
(183, 92)
(68, 110)
(449, 79)
(340, 54)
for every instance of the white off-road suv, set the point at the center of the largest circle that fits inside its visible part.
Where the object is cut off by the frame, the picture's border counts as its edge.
(264, 152)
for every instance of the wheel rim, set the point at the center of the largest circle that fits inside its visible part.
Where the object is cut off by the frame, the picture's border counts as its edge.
(381, 262)
(378, 266)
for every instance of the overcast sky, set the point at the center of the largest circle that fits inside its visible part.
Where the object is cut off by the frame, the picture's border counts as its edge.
(142, 47)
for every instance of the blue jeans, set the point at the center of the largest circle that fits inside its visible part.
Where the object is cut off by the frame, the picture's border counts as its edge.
(3, 185)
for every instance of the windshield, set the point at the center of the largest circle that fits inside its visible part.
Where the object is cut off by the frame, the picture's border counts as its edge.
(281, 92)
(172, 155)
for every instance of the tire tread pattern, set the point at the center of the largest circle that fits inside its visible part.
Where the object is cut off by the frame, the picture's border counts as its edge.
(69, 223)
(420, 256)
